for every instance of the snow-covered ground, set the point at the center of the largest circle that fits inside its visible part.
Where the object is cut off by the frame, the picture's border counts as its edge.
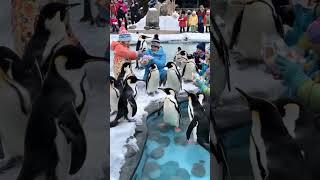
(165, 23)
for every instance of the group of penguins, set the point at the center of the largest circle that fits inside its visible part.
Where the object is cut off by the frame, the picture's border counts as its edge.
(43, 101)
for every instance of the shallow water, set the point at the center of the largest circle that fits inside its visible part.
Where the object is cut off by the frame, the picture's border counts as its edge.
(175, 157)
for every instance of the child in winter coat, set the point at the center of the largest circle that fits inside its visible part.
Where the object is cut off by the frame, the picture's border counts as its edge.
(193, 21)
(114, 24)
(188, 22)
(296, 79)
(183, 21)
(200, 54)
(159, 58)
(122, 53)
(207, 20)
(201, 13)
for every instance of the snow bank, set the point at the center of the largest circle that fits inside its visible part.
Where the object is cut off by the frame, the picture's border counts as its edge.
(125, 130)
(170, 38)
(166, 23)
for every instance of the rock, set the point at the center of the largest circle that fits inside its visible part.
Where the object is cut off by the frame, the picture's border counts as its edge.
(164, 141)
(152, 169)
(180, 140)
(130, 152)
(198, 170)
(145, 177)
(132, 27)
(183, 173)
(164, 129)
(154, 135)
(157, 153)
(169, 169)
(152, 19)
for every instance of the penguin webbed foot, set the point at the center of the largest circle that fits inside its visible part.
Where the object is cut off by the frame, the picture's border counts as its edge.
(7, 164)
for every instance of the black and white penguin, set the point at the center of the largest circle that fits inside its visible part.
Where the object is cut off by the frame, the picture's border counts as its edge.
(114, 95)
(142, 46)
(180, 58)
(55, 143)
(303, 126)
(125, 72)
(127, 106)
(266, 20)
(171, 110)
(189, 69)
(273, 152)
(153, 79)
(15, 109)
(199, 123)
(201, 97)
(173, 78)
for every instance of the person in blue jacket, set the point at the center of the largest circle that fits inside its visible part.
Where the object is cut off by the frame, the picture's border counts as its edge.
(159, 58)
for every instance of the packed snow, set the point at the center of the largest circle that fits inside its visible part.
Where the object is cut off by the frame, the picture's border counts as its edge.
(166, 23)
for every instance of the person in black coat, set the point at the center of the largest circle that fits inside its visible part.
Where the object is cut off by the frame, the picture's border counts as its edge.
(134, 9)
(121, 16)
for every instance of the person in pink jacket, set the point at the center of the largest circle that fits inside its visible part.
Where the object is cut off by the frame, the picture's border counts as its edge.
(122, 53)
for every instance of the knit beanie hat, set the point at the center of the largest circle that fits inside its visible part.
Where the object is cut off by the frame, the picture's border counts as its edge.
(124, 35)
(155, 41)
(202, 46)
(313, 31)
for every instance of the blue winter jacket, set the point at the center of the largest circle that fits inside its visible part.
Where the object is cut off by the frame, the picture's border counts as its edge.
(159, 58)
(303, 17)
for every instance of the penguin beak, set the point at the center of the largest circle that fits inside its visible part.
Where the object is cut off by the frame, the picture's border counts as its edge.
(69, 6)
(245, 96)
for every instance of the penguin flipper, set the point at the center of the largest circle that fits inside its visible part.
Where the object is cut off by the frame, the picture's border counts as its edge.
(133, 104)
(148, 79)
(70, 125)
(190, 128)
(184, 69)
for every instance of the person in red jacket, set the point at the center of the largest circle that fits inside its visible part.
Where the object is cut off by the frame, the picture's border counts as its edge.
(183, 21)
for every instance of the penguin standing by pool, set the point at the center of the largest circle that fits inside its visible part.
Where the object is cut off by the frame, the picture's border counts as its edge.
(125, 72)
(263, 16)
(114, 95)
(127, 106)
(55, 143)
(303, 126)
(189, 69)
(171, 110)
(173, 78)
(181, 58)
(153, 79)
(273, 152)
(142, 46)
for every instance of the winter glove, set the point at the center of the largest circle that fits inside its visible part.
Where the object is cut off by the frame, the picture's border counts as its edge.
(292, 74)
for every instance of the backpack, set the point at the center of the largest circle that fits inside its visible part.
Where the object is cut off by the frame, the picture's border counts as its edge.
(275, 14)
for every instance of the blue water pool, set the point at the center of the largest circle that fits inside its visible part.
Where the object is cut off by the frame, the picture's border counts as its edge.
(167, 155)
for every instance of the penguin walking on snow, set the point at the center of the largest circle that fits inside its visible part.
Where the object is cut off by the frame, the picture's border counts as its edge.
(114, 95)
(263, 15)
(153, 79)
(142, 46)
(55, 143)
(303, 126)
(273, 152)
(171, 110)
(189, 69)
(127, 106)
(173, 78)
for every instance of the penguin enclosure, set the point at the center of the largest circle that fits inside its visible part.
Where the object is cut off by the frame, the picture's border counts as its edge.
(168, 155)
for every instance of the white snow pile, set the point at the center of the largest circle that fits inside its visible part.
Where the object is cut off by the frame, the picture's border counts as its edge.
(166, 23)
(170, 38)
(152, 9)
(121, 136)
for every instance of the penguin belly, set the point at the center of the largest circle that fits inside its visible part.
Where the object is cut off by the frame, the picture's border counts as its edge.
(194, 131)
(170, 115)
(13, 121)
(153, 83)
(114, 99)
(64, 156)
(259, 16)
(130, 110)
(173, 81)
(190, 68)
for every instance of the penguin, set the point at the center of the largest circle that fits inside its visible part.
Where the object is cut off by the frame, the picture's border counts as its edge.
(153, 79)
(199, 126)
(55, 142)
(127, 106)
(114, 95)
(173, 78)
(126, 70)
(189, 69)
(15, 109)
(221, 74)
(274, 154)
(171, 109)
(142, 46)
(265, 19)
(303, 126)
(201, 97)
